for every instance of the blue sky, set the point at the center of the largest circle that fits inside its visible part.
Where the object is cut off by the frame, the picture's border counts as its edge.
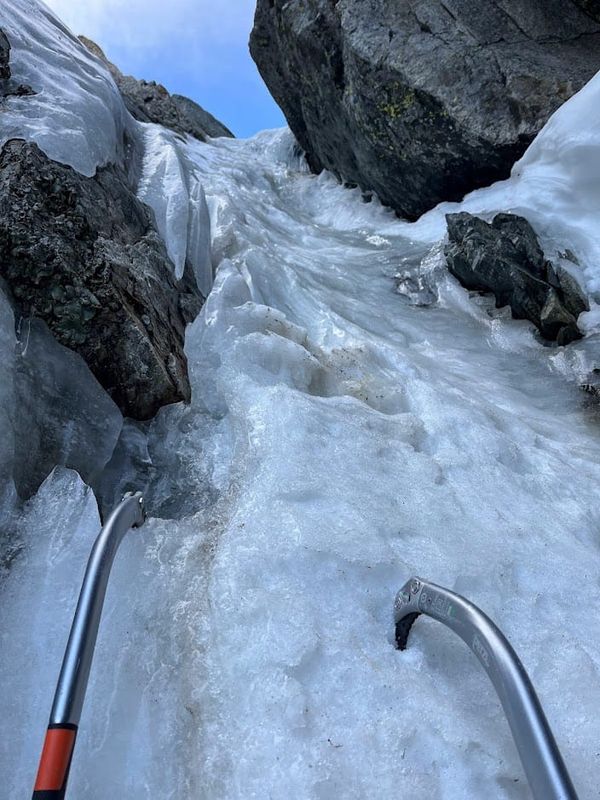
(198, 48)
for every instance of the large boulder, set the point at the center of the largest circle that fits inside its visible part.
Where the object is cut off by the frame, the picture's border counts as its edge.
(83, 255)
(422, 100)
(504, 257)
(149, 101)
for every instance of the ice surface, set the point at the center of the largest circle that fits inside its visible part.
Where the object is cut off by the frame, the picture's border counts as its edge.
(170, 186)
(63, 416)
(341, 438)
(7, 409)
(77, 115)
(37, 601)
(379, 440)
(52, 411)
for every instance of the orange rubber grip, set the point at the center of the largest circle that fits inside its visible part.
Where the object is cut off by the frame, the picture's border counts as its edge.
(55, 761)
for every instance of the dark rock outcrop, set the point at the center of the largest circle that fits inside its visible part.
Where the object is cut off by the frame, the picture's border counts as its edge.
(4, 57)
(82, 254)
(421, 101)
(592, 387)
(504, 257)
(591, 7)
(9, 88)
(148, 101)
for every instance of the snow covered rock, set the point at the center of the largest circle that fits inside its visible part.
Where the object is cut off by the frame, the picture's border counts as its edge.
(82, 254)
(75, 113)
(149, 101)
(89, 260)
(421, 102)
(504, 257)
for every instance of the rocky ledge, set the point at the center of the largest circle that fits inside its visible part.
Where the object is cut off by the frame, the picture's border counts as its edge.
(83, 255)
(504, 257)
(422, 101)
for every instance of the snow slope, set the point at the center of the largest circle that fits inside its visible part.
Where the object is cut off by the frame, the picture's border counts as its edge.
(341, 438)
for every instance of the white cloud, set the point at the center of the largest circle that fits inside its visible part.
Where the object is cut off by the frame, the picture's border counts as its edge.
(195, 30)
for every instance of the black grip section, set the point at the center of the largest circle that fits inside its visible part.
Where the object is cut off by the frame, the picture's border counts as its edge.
(403, 627)
(50, 794)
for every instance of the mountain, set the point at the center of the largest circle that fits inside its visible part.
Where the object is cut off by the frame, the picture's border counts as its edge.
(342, 412)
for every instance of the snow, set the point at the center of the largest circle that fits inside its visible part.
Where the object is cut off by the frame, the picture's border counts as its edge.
(342, 437)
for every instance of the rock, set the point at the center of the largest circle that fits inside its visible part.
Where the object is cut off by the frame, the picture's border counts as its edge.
(82, 254)
(505, 258)
(148, 101)
(8, 88)
(4, 57)
(198, 122)
(592, 387)
(591, 7)
(421, 101)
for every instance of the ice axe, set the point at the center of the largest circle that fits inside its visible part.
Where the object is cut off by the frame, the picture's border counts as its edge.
(55, 761)
(539, 753)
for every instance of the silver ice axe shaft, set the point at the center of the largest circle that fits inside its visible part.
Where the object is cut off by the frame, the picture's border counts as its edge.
(55, 761)
(541, 758)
